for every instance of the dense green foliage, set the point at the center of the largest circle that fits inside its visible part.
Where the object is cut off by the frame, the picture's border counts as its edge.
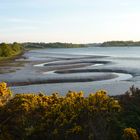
(52, 45)
(73, 117)
(120, 43)
(8, 50)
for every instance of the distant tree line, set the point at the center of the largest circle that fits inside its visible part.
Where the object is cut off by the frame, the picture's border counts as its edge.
(70, 117)
(120, 43)
(71, 45)
(52, 45)
(8, 50)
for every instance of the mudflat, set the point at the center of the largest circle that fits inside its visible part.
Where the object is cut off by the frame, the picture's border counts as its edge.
(61, 70)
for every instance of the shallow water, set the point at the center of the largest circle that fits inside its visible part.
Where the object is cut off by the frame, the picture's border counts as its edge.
(128, 52)
(118, 66)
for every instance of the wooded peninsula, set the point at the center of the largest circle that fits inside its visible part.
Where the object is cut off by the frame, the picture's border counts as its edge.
(10, 50)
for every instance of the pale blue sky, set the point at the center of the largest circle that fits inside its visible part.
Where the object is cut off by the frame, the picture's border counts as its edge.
(77, 21)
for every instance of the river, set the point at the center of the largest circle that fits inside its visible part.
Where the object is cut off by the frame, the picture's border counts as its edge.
(114, 69)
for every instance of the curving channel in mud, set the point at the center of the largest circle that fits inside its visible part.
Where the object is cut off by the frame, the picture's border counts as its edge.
(66, 70)
(80, 71)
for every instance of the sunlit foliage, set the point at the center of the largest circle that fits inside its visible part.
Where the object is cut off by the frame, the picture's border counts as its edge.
(5, 93)
(130, 134)
(71, 117)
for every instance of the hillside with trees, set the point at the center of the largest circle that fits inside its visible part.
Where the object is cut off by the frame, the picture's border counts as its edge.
(73, 117)
(9, 50)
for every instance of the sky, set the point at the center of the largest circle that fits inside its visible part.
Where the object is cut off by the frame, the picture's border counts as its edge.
(75, 21)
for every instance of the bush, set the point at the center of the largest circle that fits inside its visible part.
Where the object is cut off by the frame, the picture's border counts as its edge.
(38, 116)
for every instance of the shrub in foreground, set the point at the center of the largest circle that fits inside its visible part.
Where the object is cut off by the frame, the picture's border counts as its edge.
(73, 117)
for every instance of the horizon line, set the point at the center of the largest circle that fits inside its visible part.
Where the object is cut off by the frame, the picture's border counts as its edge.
(68, 42)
